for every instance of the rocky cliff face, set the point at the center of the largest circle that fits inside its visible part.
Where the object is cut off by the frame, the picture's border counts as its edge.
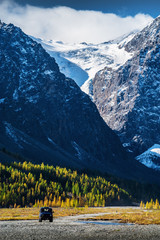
(44, 115)
(128, 98)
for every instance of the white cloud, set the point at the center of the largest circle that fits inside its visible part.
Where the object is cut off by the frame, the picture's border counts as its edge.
(69, 25)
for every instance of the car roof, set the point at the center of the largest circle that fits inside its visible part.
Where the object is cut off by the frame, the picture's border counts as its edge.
(46, 208)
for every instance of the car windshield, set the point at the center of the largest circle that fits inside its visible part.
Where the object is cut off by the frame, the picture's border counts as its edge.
(46, 210)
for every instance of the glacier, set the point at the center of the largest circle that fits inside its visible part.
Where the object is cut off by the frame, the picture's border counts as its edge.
(81, 61)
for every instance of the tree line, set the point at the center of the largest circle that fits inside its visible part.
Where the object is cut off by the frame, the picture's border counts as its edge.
(27, 184)
(150, 204)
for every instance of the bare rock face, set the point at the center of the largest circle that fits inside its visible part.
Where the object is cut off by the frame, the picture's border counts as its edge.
(128, 98)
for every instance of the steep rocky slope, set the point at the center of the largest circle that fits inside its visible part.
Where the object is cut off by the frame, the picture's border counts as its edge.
(44, 115)
(128, 98)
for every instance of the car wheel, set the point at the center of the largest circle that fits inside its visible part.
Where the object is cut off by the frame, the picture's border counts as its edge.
(51, 219)
(40, 220)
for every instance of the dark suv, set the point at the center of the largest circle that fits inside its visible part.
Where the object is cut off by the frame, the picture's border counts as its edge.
(46, 214)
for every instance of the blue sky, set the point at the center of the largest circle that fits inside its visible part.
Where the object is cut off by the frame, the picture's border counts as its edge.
(119, 7)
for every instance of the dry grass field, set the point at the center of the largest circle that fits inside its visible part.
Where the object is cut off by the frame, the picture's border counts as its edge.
(124, 215)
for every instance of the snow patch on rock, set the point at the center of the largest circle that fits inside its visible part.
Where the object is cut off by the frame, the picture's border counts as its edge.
(151, 158)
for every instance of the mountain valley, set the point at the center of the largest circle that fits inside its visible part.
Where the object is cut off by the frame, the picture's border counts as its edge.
(46, 117)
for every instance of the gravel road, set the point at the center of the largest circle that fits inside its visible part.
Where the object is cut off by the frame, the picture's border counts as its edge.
(70, 228)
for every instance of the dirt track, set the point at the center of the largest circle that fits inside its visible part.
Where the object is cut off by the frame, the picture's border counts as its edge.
(69, 228)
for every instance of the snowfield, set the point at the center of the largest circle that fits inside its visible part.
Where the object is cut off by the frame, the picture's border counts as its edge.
(81, 61)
